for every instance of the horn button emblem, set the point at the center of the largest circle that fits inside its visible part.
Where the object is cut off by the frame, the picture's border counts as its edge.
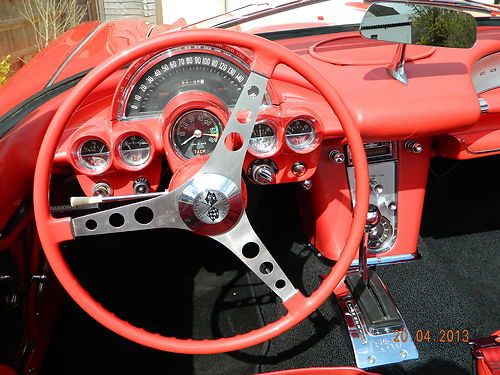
(210, 204)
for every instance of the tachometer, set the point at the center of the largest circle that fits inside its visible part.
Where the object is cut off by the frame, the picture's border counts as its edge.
(195, 132)
(300, 134)
(263, 138)
(94, 154)
(135, 150)
(183, 69)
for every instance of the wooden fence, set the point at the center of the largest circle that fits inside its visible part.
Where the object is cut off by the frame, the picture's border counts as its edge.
(17, 35)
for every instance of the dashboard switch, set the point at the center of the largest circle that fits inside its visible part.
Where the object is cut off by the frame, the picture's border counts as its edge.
(412, 146)
(336, 156)
(141, 186)
(102, 189)
(299, 169)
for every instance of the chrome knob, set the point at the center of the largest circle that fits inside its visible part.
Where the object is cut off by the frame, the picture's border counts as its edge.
(306, 184)
(412, 146)
(336, 156)
(263, 174)
(372, 217)
(392, 206)
(102, 189)
(376, 187)
(141, 186)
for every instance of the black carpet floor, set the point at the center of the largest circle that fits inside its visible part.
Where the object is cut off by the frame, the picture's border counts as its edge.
(202, 291)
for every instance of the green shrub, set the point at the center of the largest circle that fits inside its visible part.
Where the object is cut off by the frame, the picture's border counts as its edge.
(4, 69)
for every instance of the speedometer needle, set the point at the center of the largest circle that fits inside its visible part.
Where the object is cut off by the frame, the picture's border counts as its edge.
(211, 135)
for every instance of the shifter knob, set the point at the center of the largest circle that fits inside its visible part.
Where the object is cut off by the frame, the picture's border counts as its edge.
(372, 217)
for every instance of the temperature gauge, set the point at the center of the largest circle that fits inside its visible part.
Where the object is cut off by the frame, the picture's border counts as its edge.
(94, 154)
(135, 150)
(300, 134)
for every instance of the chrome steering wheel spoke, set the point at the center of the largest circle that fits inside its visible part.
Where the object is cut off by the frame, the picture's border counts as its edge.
(160, 212)
(247, 246)
(225, 160)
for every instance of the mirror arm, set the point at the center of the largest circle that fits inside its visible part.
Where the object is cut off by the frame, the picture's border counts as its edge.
(397, 66)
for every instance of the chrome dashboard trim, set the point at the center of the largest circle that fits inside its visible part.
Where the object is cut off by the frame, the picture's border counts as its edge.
(462, 141)
(388, 259)
(484, 105)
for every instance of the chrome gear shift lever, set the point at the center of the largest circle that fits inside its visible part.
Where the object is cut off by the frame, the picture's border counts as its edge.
(372, 220)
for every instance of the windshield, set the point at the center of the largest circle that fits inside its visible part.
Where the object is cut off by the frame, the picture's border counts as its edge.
(274, 15)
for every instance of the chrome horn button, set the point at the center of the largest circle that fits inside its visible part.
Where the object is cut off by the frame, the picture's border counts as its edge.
(211, 204)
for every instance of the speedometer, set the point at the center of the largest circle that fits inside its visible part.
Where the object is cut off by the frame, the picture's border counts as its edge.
(191, 68)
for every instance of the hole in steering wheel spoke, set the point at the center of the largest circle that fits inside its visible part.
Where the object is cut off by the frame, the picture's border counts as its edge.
(280, 284)
(233, 141)
(91, 224)
(116, 220)
(250, 250)
(244, 116)
(266, 268)
(144, 215)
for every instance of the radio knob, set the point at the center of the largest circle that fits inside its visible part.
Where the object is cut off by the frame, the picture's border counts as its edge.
(263, 174)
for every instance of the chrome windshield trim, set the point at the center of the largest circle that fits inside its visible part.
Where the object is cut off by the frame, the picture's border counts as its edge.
(75, 51)
(265, 12)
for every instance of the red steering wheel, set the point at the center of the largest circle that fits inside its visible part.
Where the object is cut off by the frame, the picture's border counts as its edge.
(219, 179)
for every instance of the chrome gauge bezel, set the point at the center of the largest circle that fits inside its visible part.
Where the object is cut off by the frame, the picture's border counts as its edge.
(270, 148)
(151, 61)
(306, 146)
(122, 152)
(82, 163)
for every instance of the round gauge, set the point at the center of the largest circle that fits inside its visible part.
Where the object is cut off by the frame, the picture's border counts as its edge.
(300, 134)
(263, 138)
(94, 154)
(135, 150)
(196, 132)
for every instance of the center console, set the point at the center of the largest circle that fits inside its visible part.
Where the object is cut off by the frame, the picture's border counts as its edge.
(398, 176)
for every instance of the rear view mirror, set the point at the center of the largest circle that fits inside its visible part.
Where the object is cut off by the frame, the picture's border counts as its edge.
(419, 24)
